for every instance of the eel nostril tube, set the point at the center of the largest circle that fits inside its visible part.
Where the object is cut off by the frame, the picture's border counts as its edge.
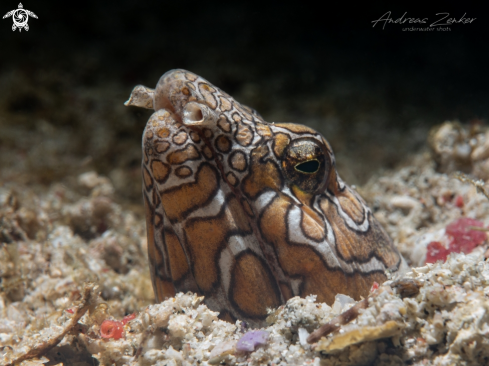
(197, 114)
(141, 96)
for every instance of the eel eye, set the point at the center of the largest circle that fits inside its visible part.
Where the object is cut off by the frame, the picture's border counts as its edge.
(306, 164)
(308, 167)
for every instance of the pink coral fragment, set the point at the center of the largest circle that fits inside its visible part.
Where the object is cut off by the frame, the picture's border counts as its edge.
(462, 239)
(128, 318)
(112, 329)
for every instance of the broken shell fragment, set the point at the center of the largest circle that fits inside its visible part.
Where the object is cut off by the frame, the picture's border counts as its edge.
(359, 335)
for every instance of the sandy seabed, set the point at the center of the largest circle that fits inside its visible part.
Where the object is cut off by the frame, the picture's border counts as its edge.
(73, 254)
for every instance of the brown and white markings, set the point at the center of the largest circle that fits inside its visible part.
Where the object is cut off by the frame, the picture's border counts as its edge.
(246, 212)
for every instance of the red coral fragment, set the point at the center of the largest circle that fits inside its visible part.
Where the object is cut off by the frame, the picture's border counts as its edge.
(459, 201)
(128, 318)
(374, 287)
(112, 329)
(436, 252)
(463, 239)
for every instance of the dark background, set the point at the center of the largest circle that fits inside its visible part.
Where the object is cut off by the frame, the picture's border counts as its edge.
(374, 93)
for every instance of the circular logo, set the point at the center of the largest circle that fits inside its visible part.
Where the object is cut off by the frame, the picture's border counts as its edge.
(20, 18)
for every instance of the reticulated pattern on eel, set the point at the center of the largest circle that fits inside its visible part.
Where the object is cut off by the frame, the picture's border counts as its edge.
(249, 213)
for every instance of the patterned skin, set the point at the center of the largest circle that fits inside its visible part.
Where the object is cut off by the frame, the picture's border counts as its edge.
(249, 213)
